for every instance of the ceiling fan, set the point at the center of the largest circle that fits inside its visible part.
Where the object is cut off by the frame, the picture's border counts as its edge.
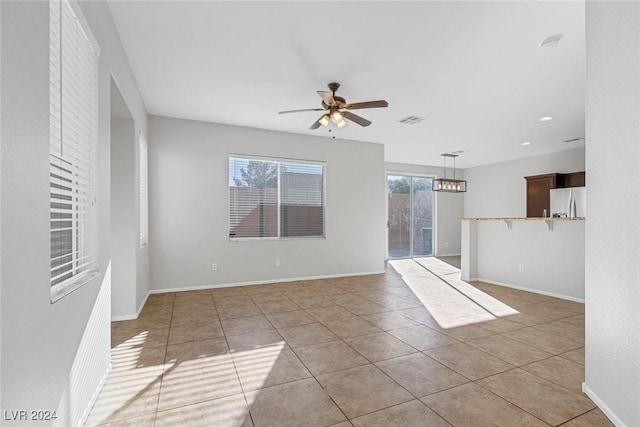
(337, 109)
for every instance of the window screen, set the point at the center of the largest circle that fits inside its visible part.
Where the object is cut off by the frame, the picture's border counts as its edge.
(301, 200)
(73, 82)
(275, 199)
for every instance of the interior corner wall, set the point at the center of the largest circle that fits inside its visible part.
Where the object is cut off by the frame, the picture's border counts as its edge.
(124, 227)
(613, 226)
(499, 190)
(449, 207)
(40, 340)
(188, 201)
(114, 65)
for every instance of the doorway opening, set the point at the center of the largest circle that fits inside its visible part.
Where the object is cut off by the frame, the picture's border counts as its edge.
(411, 211)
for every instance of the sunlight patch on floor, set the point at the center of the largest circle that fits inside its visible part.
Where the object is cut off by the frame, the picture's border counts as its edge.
(254, 366)
(489, 303)
(127, 394)
(450, 301)
(195, 380)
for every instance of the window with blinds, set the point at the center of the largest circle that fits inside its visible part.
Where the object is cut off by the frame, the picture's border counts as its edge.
(144, 192)
(73, 97)
(275, 198)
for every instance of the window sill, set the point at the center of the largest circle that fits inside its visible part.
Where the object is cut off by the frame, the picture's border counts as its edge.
(72, 284)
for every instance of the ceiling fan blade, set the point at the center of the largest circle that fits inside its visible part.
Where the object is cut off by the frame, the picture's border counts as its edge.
(355, 118)
(299, 111)
(368, 104)
(327, 97)
(316, 124)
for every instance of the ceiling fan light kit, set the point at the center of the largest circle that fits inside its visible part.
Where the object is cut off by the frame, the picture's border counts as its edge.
(336, 109)
(449, 185)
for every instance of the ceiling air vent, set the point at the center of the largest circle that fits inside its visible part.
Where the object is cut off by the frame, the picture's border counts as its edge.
(551, 41)
(411, 120)
(572, 140)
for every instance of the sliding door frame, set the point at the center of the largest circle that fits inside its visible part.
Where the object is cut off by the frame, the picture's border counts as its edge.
(386, 205)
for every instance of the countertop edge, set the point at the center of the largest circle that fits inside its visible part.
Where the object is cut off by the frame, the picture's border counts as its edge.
(523, 219)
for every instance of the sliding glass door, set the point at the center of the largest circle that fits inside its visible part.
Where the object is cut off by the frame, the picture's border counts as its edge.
(410, 216)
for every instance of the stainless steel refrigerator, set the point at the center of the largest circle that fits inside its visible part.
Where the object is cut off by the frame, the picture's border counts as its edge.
(560, 201)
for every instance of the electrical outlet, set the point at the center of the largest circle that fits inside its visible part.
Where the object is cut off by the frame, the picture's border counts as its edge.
(521, 268)
(446, 244)
(214, 266)
(277, 262)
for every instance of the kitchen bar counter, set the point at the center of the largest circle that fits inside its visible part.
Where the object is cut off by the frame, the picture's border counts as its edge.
(522, 219)
(548, 220)
(522, 255)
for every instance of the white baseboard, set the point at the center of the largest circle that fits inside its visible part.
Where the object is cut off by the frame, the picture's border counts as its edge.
(132, 316)
(259, 282)
(603, 407)
(230, 285)
(522, 288)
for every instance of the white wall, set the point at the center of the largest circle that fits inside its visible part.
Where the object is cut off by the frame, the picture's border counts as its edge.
(552, 260)
(613, 227)
(114, 65)
(188, 175)
(449, 207)
(500, 190)
(40, 339)
(124, 224)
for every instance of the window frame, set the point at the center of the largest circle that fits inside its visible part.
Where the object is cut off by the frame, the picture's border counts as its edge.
(82, 176)
(279, 161)
(143, 197)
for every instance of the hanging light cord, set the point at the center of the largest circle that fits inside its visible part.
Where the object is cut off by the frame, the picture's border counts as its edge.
(444, 161)
(454, 168)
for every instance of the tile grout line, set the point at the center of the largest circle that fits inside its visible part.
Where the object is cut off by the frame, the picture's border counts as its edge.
(457, 290)
(386, 331)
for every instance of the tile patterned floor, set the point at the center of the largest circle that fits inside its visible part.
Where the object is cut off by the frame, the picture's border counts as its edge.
(380, 350)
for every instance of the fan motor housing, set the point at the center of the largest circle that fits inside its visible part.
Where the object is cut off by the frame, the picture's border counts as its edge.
(340, 101)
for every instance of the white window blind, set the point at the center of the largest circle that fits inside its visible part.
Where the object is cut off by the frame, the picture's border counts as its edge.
(144, 192)
(275, 199)
(73, 97)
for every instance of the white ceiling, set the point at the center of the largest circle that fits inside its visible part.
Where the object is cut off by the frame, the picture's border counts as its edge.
(472, 69)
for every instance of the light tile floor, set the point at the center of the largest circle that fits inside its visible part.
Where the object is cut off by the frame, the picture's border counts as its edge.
(379, 350)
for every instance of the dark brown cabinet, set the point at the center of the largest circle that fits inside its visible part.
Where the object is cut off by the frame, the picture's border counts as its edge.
(574, 179)
(538, 198)
(538, 186)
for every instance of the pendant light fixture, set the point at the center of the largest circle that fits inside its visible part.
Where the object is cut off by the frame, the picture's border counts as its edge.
(449, 185)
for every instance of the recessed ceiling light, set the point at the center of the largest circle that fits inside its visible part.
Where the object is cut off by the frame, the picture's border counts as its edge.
(526, 143)
(546, 118)
(551, 41)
